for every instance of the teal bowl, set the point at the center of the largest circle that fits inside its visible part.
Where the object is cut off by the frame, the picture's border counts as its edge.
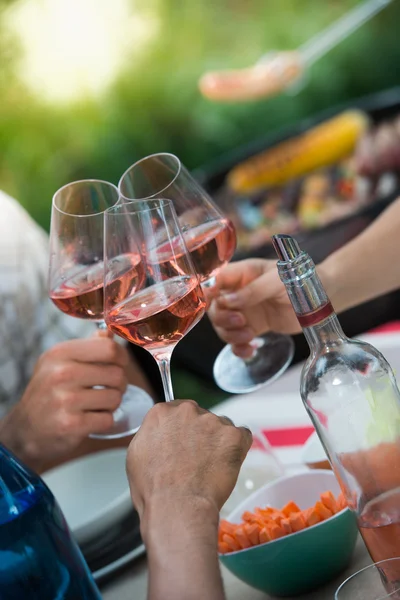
(302, 561)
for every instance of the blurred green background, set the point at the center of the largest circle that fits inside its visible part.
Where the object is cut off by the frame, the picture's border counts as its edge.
(89, 86)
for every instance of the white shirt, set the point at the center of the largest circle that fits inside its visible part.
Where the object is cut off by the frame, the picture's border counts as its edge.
(29, 322)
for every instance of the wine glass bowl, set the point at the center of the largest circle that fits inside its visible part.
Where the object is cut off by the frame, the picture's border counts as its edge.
(76, 256)
(171, 301)
(375, 582)
(76, 274)
(76, 247)
(209, 235)
(211, 241)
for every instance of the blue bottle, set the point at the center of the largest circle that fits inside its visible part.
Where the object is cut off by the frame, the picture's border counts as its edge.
(39, 560)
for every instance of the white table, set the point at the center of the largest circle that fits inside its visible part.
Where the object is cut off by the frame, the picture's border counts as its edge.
(131, 584)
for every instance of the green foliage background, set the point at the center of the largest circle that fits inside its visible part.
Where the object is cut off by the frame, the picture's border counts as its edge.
(154, 103)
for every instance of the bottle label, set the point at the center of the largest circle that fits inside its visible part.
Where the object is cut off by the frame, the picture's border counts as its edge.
(316, 316)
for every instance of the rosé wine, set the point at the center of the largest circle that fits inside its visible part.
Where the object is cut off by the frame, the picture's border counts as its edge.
(379, 525)
(211, 245)
(82, 293)
(160, 315)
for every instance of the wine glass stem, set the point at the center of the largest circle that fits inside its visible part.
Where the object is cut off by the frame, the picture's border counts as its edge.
(164, 364)
(256, 344)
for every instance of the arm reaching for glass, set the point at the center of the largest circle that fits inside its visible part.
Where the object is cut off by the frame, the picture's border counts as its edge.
(182, 466)
(250, 299)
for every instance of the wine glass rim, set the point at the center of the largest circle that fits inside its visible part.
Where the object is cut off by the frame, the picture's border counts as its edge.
(387, 560)
(72, 183)
(114, 210)
(135, 164)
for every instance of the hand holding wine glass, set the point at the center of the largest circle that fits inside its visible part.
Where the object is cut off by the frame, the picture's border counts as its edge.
(76, 277)
(170, 301)
(59, 408)
(248, 300)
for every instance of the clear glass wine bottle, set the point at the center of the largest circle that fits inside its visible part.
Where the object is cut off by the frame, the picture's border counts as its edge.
(350, 393)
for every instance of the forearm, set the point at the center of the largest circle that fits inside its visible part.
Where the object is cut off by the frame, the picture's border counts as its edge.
(366, 267)
(181, 542)
(27, 447)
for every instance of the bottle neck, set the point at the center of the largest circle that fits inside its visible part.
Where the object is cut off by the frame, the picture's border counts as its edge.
(310, 302)
(325, 333)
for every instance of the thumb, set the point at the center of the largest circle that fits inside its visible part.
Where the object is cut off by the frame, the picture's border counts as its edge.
(266, 287)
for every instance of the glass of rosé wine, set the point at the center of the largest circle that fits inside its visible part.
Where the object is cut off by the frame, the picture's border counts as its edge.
(76, 275)
(171, 301)
(211, 241)
(376, 582)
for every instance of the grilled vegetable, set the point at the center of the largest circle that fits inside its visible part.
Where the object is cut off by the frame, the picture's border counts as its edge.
(323, 145)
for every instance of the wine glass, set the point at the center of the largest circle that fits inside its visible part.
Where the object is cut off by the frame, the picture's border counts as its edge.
(76, 275)
(376, 582)
(171, 301)
(211, 240)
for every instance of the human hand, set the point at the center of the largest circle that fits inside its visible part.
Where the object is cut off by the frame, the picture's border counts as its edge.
(249, 299)
(60, 408)
(184, 454)
(182, 465)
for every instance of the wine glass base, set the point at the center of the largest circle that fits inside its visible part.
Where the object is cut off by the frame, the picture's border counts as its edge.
(237, 376)
(129, 415)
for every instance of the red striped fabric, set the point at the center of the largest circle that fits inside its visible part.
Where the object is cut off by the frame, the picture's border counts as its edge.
(288, 436)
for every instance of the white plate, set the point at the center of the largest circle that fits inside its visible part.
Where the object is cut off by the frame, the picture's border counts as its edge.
(92, 491)
(119, 563)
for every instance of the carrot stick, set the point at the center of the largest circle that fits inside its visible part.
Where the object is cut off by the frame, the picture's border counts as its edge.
(277, 518)
(253, 533)
(311, 517)
(241, 538)
(223, 548)
(289, 508)
(328, 499)
(297, 521)
(249, 516)
(267, 524)
(322, 511)
(226, 527)
(275, 532)
(287, 528)
(265, 512)
(264, 536)
(231, 542)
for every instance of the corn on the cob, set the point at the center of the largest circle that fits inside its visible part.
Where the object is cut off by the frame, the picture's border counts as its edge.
(323, 145)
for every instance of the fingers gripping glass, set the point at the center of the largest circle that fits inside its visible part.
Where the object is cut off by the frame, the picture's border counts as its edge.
(211, 240)
(170, 301)
(76, 274)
